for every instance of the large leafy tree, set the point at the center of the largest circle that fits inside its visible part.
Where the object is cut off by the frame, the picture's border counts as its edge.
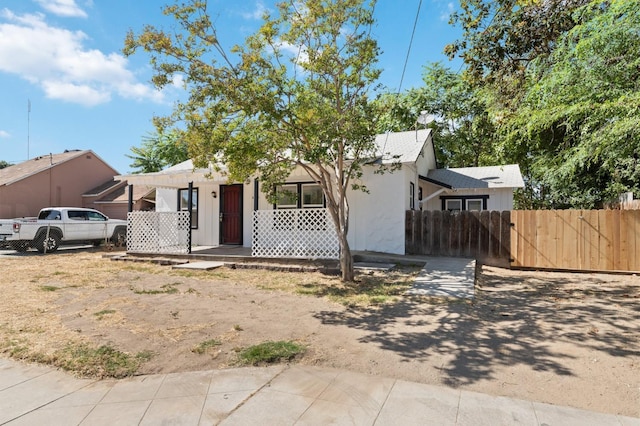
(4, 164)
(463, 132)
(295, 94)
(159, 150)
(502, 37)
(580, 119)
(559, 81)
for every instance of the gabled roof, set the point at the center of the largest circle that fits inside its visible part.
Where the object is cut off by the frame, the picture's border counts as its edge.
(506, 176)
(403, 147)
(105, 187)
(121, 195)
(20, 171)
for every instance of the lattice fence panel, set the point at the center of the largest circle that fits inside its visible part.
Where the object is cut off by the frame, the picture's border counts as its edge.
(294, 233)
(158, 232)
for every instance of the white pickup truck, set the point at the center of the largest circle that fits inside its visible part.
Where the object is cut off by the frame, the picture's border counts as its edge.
(57, 224)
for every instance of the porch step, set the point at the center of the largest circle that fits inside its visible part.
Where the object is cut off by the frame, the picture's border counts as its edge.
(165, 261)
(199, 266)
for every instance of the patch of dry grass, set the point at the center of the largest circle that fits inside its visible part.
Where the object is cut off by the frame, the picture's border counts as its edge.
(33, 285)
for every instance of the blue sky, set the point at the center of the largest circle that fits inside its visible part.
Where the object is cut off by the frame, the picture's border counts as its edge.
(64, 57)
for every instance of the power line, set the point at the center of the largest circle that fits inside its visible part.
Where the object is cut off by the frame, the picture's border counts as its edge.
(406, 60)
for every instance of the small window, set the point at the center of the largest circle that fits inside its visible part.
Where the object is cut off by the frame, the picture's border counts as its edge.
(412, 196)
(96, 217)
(183, 204)
(50, 215)
(312, 196)
(474, 205)
(453, 205)
(287, 197)
(77, 215)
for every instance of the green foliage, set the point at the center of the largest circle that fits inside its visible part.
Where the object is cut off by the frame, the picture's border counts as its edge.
(294, 95)
(104, 361)
(4, 164)
(463, 133)
(581, 113)
(270, 352)
(502, 37)
(203, 347)
(159, 151)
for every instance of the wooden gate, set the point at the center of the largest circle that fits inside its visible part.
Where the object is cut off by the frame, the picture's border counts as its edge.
(599, 240)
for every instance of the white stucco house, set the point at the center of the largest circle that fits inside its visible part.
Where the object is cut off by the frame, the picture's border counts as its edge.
(223, 212)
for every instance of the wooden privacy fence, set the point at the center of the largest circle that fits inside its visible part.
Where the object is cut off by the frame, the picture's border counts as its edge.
(481, 235)
(596, 240)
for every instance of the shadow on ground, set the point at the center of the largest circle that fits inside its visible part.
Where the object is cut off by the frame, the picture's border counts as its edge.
(517, 317)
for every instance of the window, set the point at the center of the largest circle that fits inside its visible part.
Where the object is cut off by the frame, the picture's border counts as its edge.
(312, 196)
(454, 205)
(77, 215)
(96, 217)
(412, 196)
(464, 202)
(474, 205)
(287, 197)
(299, 196)
(183, 204)
(50, 215)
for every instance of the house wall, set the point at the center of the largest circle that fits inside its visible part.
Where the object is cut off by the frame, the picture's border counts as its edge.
(377, 217)
(208, 232)
(61, 185)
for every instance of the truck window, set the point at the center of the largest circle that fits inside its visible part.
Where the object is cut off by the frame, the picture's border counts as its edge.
(49, 215)
(95, 216)
(77, 215)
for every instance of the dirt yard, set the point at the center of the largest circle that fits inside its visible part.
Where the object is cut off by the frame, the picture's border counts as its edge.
(560, 338)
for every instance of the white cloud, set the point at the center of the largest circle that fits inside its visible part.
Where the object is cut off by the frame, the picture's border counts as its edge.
(67, 8)
(4, 134)
(257, 12)
(57, 60)
(444, 16)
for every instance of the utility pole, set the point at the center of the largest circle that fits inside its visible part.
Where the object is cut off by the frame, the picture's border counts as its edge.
(28, 126)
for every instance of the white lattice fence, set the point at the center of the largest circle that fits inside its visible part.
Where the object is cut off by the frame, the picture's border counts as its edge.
(297, 233)
(158, 232)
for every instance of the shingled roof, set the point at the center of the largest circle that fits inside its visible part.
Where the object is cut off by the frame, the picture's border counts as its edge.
(20, 171)
(402, 147)
(506, 176)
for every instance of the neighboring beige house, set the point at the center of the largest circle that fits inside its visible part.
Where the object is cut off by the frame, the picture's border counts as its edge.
(75, 178)
(112, 198)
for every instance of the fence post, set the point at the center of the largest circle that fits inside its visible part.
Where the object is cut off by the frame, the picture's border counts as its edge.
(427, 233)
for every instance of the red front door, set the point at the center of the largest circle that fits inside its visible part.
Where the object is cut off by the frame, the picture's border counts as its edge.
(231, 214)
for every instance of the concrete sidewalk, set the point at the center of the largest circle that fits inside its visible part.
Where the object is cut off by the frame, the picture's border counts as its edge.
(446, 277)
(278, 395)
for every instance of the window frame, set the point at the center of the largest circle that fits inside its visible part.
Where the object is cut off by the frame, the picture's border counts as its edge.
(299, 191)
(194, 205)
(453, 200)
(463, 199)
(412, 196)
(473, 200)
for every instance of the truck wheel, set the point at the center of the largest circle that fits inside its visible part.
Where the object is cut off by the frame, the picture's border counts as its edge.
(48, 244)
(119, 238)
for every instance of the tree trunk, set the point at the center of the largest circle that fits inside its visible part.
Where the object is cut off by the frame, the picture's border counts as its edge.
(346, 260)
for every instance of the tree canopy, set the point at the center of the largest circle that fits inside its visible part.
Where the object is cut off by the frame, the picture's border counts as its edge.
(159, 151)
(559, 79)
(295, 94)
